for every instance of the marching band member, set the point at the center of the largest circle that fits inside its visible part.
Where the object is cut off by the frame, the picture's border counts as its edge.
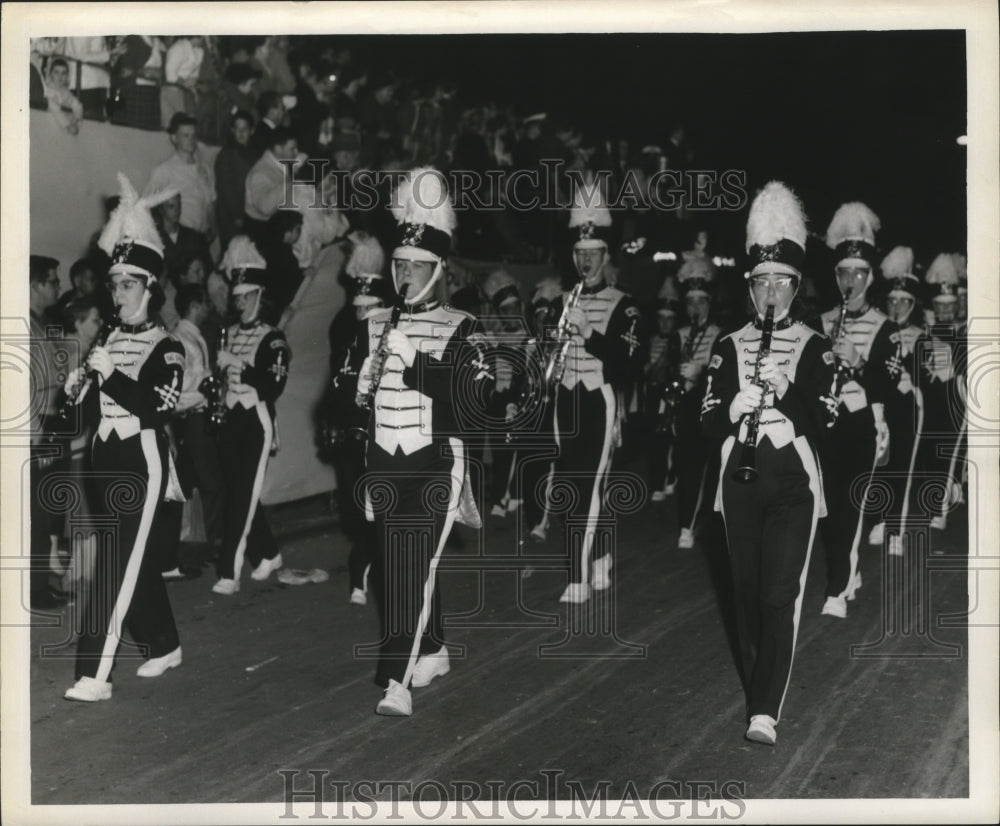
(369, 289)
(692, 346)
(605, 351)
(132, 389)
(662, 475)
(942, 383)
(256, 363)
(903, 406)
(864, 342)
(772, 408)
(424, 389)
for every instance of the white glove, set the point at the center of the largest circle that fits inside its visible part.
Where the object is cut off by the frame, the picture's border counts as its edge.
(577, 318)
(100, 360)
(746, 401)
(365, 378)
(690, 370)
(905, 384)
(399, 344)
(227, 359)
(73, 380)
(773, 375)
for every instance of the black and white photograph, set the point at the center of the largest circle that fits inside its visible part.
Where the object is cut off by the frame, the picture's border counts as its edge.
(500, 411)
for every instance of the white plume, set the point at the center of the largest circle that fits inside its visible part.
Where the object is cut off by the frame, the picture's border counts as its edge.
(961, 266)
(776, 213)
(367, 257)
(852, 221)
(131, 218)
(942, 270)
(588, 206)
(422, 198)
(898, 263)
(240, 254)
(696, 268)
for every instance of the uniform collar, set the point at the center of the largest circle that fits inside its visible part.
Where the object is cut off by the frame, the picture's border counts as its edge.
(148, 324)
(422, 307)
(857, 313)
(255, 323)
(600, 285)
(784, 324)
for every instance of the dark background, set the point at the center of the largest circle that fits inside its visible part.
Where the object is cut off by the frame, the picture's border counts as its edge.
(839, 116)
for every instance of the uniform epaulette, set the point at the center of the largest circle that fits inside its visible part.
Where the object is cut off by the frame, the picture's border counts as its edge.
(456, 311)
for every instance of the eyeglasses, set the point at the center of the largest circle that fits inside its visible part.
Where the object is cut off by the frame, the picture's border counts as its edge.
(855, 273)
(779, 282)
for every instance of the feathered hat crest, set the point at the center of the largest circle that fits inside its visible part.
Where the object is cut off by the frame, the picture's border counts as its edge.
(696, 275)
(590, 216)
(897, 269)
(365, 267)
(130, 237)
(851, 234)
(776, 232)
(943, 276)
(243, 263)
(425, 216)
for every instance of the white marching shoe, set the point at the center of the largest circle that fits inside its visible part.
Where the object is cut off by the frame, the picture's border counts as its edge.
(854, 587)
(601, 577)
(359, 597)
(156, 666)
(895, 546)
(576, 592)
(877, 534)
(538, 533)
(498, 510)
(226, 587)
(396, 702)
(657, 496)
(686, 539)
(835, 607)
(761, 729)
(430, 666)
(89, 690)
(266, 568)
(939, 523)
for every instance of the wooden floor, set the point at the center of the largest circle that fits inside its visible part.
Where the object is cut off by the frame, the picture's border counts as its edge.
(639, 685)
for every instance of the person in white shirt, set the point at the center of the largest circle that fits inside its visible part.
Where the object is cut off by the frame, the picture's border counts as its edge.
(65, 108)
(187, 172)
(269, 182)
(93, 59)
(183, 64)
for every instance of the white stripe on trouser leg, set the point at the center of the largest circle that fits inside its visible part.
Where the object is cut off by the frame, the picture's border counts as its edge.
(457, 477)
(598, 490)
(812, 470)
(951, 465)
(913, 460)
(697, 504)
(364, 578)
(552, 464)
(857, 530)
(154, 468)
(258, 484)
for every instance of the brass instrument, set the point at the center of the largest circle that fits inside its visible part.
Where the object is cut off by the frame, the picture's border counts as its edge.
(381, 355)
(673, 391)
(65, 415)
(563, 336)
(214, 388)
(746, 470)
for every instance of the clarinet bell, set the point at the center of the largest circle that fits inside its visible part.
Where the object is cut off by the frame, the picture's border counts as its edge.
(747, 471)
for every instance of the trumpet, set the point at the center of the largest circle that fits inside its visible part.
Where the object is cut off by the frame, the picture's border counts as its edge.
(556, 366)
(381, 355)
(746, 470)
(214, 389)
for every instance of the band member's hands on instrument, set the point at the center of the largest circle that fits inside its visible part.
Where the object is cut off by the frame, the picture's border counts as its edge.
(365, 377)
(745, 402)
(72, 381)
(400, 344)
(846, 352)
(100, 360)
(774, 375)
(691, 370)
(577, 318)
(227, 360)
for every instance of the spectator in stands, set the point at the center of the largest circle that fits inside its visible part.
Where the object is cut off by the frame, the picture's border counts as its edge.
(91, 58)
(83, 277)
(377, 115)
(239, 89)
(269, 184)
(232, 165)
(350, 85)
(179, 242)
(212, 121)
(179, 92)
(276, 61)
(138, 73)
(188, 173)
(309, 111)
(65, 108)
(284, 275)
(271, 110)
(260, 54)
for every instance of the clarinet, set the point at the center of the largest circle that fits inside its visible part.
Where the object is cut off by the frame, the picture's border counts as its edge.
(673, 392)
(381, 355)
(746, 471)
(842, 374)
(65, 415)
(215, 389)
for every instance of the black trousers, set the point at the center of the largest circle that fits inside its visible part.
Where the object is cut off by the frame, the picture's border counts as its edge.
(199, 467)
(902, 415)
(166, 538)
(47, 518)
(127, 589)
(244, 447)
(691, 459)
(410, 497)
(769, 529)
(585, 426)
(348, 458)
(941, 449)
(847, 462)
